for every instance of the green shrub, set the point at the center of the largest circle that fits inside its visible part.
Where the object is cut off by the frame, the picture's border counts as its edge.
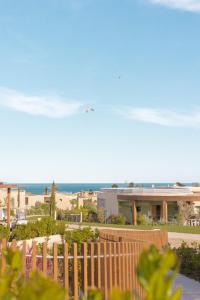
(141, 219)
(100, 215)
(81, 235)
(156, 273)
(190, 260)
(39, 209)
(14, 285)
(116, 219)
(4, 232)
(45, 227)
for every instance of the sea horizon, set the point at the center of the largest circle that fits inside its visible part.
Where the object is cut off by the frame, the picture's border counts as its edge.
(39, 188)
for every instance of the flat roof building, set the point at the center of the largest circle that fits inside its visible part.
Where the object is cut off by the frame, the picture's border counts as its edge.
(154, 203)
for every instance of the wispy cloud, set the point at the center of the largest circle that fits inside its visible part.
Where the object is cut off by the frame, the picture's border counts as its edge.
(187, 5)
(162, 117)
(48, 106)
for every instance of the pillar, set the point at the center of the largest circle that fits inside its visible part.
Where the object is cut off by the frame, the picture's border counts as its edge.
(8, 206)
(164, 211)
(134, 213)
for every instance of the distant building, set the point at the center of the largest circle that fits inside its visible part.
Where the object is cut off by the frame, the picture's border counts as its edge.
(22, 200)
(154, 203)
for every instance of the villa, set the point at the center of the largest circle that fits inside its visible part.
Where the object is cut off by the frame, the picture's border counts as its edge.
(21, 200)
(154, 203)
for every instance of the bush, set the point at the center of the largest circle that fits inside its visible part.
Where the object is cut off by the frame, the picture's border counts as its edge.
(141, 219)
(14, 284)
(45, 227)
(4, 232)
(39, 209)
(190, 260)
(81, 235)
(116, 219)
(156, 273)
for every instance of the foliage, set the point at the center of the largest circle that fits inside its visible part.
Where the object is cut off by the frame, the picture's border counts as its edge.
(180, 184)
(196, 184)
(14, 285)
(100, 215)
(190, 260)
(4, 232)
(156, 273)
(81, 235)
(74, 203)
(114, 185)
(39, 209)
(116, 219)
(45, 227)
(131, 185)
(141, 219)
(91, 207)
(186, 211)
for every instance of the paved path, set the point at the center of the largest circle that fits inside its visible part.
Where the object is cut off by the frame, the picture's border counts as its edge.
(176, 238)
(191, 288)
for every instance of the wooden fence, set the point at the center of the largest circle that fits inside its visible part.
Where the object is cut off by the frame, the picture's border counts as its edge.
(150, 237)
(104, 265)
(80, 267)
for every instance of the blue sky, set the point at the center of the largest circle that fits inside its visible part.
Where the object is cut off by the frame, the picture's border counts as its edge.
(137, 62)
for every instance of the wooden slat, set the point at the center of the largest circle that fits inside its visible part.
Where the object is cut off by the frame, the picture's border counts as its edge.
(14, 245)
(55, 261)
(85, 269)
(126, 266)
(98, 265)
(24, 257)
(44, 258)
(75, 275)
(114, 265)
(123, 266)
(105, 270)
(92, 265)
(131, 266)
(110, 265)
(66, 269)
(119, 265)
(34, 253)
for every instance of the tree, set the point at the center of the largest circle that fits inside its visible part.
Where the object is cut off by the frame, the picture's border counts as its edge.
(53, 201)
(186, 211)
(114, 185)
(18, 198)
(180, 184)
(131, 185)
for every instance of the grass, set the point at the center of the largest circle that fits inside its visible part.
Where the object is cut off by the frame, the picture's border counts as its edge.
(167, 227)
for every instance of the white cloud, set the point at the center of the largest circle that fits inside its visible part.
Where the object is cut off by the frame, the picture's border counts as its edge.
(162, 117)
(48, 106)
(187, 5)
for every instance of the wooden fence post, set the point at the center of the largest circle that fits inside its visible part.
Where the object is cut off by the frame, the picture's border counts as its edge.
(91, 265)
(75, 277)
(66, 270)
(98, 265)
(55, 261)
(85, 269)
(34, 255)
(44, 258)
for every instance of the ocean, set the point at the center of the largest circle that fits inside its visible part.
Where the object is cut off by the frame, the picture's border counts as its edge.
(39, 188)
